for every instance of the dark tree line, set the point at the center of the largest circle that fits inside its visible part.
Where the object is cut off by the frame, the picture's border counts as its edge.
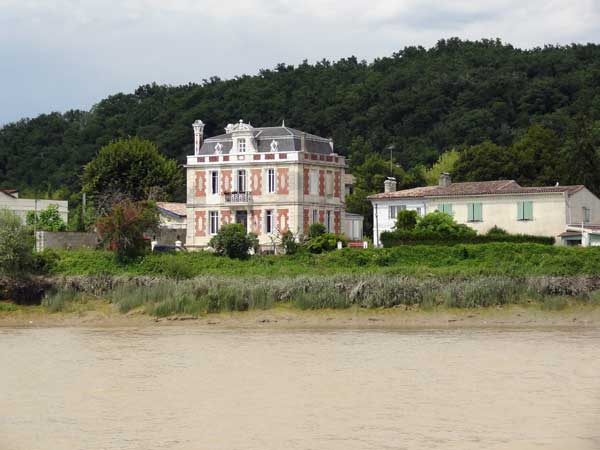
(481, 98)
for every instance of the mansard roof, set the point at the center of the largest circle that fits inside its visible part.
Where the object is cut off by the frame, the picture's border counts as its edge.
(287, 139)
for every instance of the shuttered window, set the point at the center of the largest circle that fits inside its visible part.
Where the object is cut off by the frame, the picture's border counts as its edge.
(445, 208)
(395, 209)
(525, 210)
(475, 212)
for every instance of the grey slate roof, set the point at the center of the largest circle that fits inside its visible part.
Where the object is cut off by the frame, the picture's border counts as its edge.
(288, 140)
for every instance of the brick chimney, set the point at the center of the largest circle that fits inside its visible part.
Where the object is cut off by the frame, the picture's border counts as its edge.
(445, 179)
(389, 185)
(198, 127)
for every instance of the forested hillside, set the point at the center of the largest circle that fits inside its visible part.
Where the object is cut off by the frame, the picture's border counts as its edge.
(456, 95)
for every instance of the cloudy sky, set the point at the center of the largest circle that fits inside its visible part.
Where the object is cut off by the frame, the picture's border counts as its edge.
(57, 55)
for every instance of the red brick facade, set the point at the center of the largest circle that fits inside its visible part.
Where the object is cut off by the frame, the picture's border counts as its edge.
(283, 181)
(283, 220)
(256, 181)
(226, 185)
(337, 222)
(200, 223)
(337, 183)
(200, 183)
(256, 221)
(321, 183)
(306, 220)
(306, 181)
(321, 216)
(225, 216)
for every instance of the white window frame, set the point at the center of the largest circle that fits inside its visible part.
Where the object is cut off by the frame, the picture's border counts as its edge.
(213, 227)
(241, 174)
(269, 222)
(315, 216)
(329, 183)
(587, 214)
(394, 210)
(314, 182)
(241, 145)
(271, 181)
(214, 182)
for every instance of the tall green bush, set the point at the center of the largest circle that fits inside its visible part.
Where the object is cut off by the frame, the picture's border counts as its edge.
(406, 220)
(232, 240)
(16, 244)
(46, 220)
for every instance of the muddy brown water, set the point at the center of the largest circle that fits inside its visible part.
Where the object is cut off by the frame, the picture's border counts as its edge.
(187, 387)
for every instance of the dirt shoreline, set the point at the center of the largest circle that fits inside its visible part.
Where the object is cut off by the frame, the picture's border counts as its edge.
(288, 317)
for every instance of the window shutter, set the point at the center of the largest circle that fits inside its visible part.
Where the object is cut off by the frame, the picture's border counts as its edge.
(478, 211)
(528, 210)
(470, 216)
(520, 210)
(448, 209)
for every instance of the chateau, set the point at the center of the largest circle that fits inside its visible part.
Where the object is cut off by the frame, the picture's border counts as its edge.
(270, 179)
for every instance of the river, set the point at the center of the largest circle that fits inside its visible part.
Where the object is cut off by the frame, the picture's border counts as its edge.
(195, 388)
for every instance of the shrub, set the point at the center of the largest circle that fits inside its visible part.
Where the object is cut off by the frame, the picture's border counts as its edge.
(326, 242)
(47, 220)
(16, 245)
(316, 230)
(289, 243)
(407, 220)
(7, 307)
(233, 241)
(398, 237)
(497, 231)
(444, 224)
(45, 262)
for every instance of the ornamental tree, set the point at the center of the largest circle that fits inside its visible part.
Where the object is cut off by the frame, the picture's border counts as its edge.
(16, 244)
(132, 169)
(46, 220)
(123, 229)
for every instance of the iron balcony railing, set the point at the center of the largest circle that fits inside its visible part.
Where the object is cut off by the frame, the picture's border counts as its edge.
(237, 197)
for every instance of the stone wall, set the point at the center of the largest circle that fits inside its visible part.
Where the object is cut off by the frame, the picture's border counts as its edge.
(65, 240)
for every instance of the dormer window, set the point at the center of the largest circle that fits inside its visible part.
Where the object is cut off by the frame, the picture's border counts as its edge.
(218, 148)
(274, 146)
(241, 145)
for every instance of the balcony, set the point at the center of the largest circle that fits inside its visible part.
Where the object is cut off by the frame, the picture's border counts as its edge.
(237, 197)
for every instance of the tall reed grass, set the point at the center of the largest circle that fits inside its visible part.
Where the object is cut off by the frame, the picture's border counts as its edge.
(202, 295)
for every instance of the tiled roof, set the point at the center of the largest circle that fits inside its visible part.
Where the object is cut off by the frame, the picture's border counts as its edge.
(288, 140)
(504, 187)
(10, 192)
(178, 209)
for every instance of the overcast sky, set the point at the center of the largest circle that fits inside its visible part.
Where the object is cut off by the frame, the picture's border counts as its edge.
(57, 55)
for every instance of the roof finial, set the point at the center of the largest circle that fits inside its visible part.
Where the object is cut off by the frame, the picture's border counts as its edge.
(283, 123)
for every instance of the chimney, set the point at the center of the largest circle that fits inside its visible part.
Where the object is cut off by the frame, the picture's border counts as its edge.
(389, 185)
(198, 127)
(445, 179)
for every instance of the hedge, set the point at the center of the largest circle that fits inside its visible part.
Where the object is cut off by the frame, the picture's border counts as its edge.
(404, 237)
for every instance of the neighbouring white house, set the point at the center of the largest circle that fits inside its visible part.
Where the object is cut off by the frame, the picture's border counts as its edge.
(9, 199)
(172, 224)
(270, 179)
(570, 214)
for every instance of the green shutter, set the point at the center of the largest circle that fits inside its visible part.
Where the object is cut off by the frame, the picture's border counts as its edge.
(520, 209)
(449, 209)
(478, 212)
(445, 208)
(470, 216)
(528, 210)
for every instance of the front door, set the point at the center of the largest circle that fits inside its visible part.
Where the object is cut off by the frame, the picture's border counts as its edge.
(242, 217)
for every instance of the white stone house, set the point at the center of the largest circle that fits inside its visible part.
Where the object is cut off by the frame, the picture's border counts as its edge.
(557, 211)
(9, 199)
(270, 179)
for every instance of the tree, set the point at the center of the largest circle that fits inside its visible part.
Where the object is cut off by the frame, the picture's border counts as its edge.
(233, 241)
(407, 220)
(445, 163)
(122, 230)
(132, 169)
(47, 220)
(16, 244)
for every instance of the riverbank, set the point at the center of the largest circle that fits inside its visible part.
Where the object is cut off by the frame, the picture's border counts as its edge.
(100, 313)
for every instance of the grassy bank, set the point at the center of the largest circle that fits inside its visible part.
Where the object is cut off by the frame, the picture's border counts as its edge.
(419, 260)
(208, 294)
